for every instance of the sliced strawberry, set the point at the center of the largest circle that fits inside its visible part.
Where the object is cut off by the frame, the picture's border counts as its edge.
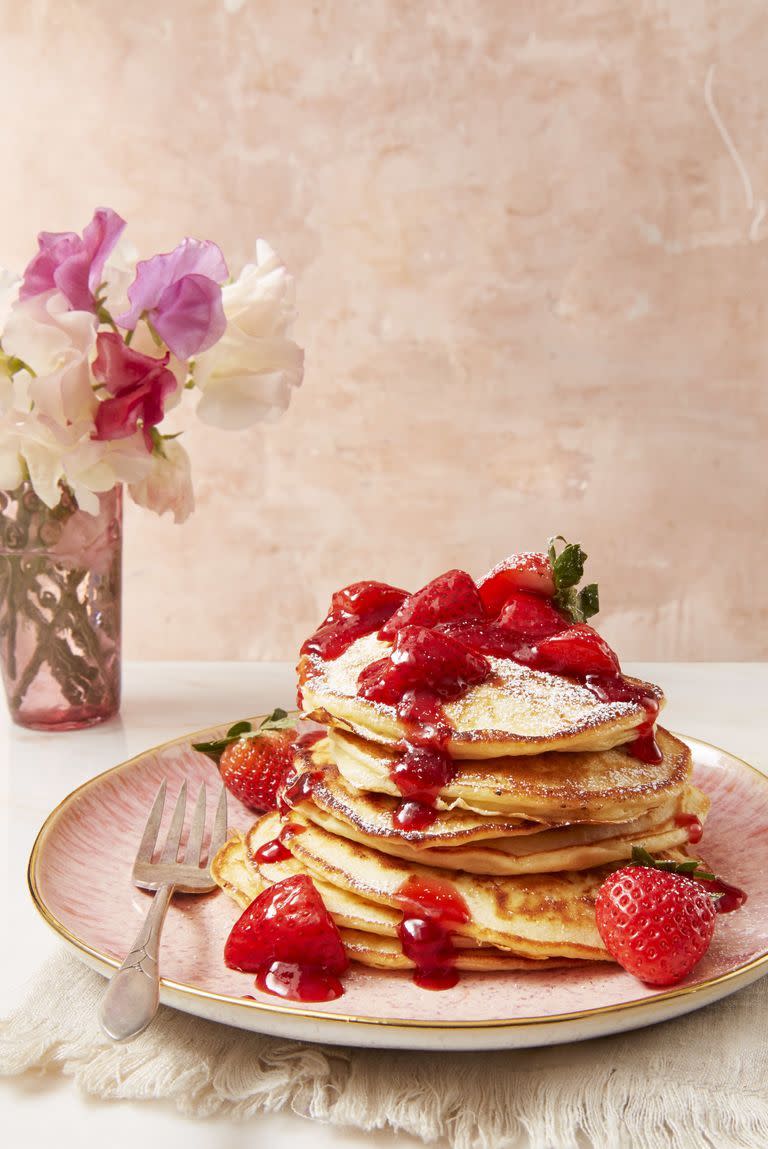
(422, 659)
(450, 596)
(253, 769)
(530, 616)
(355, 611)
(286, 923)
(578, 651)
(529, 571)
(657, 925)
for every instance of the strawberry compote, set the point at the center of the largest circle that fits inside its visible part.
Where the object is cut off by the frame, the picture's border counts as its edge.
(692, 823)
(420, 773)
(355, 611)
(430, 907)
(287, 938)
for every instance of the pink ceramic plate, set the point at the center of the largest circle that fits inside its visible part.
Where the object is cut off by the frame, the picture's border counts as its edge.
(79, 877)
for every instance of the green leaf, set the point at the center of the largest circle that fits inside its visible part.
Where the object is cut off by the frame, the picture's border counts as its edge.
(567, 572)
(589, 600)
(238, 729)
(689, 869)
(277, 720)
(212, 748)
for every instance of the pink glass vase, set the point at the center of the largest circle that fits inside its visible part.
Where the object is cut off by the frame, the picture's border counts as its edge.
(60, 588)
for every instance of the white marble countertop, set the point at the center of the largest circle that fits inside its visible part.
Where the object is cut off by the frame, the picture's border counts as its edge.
(722, 703)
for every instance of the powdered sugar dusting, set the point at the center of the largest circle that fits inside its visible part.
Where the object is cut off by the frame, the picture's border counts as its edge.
(515, 700)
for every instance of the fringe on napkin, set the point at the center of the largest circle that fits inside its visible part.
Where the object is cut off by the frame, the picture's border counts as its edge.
(699, 1082)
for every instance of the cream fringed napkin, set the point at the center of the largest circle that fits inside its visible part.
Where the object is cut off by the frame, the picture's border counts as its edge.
(698, 1082)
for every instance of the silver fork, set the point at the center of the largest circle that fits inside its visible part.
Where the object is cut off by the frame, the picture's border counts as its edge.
(133, 992)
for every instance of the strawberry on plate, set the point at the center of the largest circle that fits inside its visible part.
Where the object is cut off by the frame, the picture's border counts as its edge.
(654, 922)
(289, 940)
(253, 764)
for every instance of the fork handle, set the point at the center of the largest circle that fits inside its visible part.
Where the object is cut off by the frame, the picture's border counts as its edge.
(133, 993)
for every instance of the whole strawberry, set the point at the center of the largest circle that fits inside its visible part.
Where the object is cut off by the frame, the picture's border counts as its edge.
(253, 764)
(656, 924)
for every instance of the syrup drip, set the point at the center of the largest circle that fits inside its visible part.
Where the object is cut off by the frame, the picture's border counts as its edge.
(430, 907)
(305, 742)
(616, 688)
(420, 773)
(731, 897)
(695, 828)
(275, 850)
(272, 852)
(297, 792)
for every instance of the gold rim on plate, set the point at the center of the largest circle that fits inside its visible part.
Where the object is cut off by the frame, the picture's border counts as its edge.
(359, 1019)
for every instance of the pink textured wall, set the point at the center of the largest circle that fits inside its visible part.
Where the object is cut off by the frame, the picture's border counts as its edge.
(532, 281)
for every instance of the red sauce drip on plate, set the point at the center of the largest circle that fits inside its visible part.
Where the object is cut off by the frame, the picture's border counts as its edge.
(299, 982)
(693, 823)
(731, 897)
(430, 907)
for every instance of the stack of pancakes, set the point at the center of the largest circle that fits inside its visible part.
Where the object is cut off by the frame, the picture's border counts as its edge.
(544, 800)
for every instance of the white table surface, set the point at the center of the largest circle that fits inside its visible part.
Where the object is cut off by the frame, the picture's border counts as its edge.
(722, 703)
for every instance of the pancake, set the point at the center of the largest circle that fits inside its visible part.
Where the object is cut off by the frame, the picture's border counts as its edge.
(517, 711)
(585, 786)
(237, 876)
(570, 847)
(387, 953)
(535, 916)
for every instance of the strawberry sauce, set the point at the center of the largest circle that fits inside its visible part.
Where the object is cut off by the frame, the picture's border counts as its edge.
(275, 850)
(298, 982)
(271, 852)
(729, 898)
(355, 611)
(430, 907)
(420, 773)
(693, 824)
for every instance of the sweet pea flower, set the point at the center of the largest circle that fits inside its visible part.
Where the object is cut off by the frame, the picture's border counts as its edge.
(168, 484)
(34, 446)
(249, 374)
(9, 293)
(73, 263)
(139, 385)
(56, 343)
(180, 292)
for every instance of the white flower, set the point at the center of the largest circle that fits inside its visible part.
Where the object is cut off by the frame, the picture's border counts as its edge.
(168, 484)
(38, 448)
(57, 344)
(118, 275)
(9, 293)
(248, 375)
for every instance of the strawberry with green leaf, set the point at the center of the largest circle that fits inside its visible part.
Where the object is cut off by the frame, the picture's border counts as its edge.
(254, 763)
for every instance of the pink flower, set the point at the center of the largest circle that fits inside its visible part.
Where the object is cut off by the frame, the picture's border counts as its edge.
(139, 385)
(181, 294)
(72, 263)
